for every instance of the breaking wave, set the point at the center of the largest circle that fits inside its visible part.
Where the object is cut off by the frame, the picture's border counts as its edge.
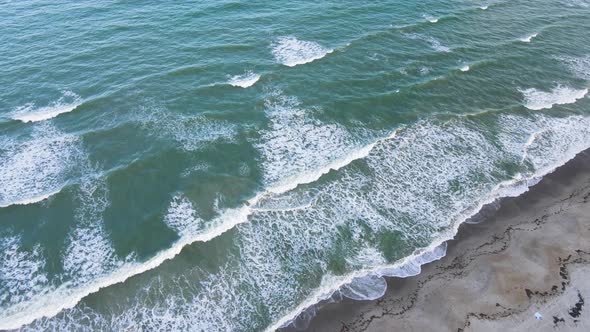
(291, 51)
(36, 167)
(245, 80)
(537, 100)
(290, 231)
(528, 38)
(434, 43)
(68, 102)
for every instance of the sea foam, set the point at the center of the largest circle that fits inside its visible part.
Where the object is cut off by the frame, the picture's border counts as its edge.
(245, 80)
(430, 19)
(295, 143)
(89, 253)
(30, 200)
(279, 245)
(68, 102)
(537, 99)
(580, 66)
(567, 135)
(36, 167)
(190, 132)
(433, 42)
(22, 271)
(291, 51)
(181, 217)
(528, 38)
(88, 256)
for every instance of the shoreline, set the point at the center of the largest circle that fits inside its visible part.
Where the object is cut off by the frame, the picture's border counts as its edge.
(409, 303)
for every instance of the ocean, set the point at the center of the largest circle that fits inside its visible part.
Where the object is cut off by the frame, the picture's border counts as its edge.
(228, 165)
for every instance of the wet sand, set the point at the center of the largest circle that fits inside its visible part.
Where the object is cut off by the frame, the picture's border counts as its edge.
(528, 255)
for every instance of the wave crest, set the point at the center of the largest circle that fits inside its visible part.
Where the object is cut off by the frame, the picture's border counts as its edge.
(245, 80)
(68, 102)
(537, 99)
(291, 51)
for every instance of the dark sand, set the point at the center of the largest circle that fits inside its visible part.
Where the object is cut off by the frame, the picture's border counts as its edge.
(530, 255)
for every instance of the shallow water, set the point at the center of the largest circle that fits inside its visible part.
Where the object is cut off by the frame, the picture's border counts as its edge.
(225, 165)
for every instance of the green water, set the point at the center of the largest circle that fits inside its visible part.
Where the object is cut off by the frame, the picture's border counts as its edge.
(226, 165)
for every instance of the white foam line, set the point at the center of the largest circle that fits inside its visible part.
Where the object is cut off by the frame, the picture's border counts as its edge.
(31, 200)
(291, 51)
(71, 297)
(430, 18)
(528, 38)
(560, 95)
(297, 208)
(68, 102)
(26, 313)
(245, 80)
(323, 293)
(530, 142)
(307, 177)
(45, 113)
(498, 192)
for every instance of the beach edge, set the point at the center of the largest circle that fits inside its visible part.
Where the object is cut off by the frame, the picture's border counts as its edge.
(495, 238)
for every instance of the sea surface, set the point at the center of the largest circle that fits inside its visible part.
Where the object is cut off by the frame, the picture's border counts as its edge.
(227, 165)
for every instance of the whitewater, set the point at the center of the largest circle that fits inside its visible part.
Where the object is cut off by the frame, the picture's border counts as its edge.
(233, 167)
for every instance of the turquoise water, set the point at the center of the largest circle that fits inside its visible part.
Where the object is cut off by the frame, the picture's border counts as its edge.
(225, 166)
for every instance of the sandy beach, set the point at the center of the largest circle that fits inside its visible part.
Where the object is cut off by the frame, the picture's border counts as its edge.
(523, 265)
